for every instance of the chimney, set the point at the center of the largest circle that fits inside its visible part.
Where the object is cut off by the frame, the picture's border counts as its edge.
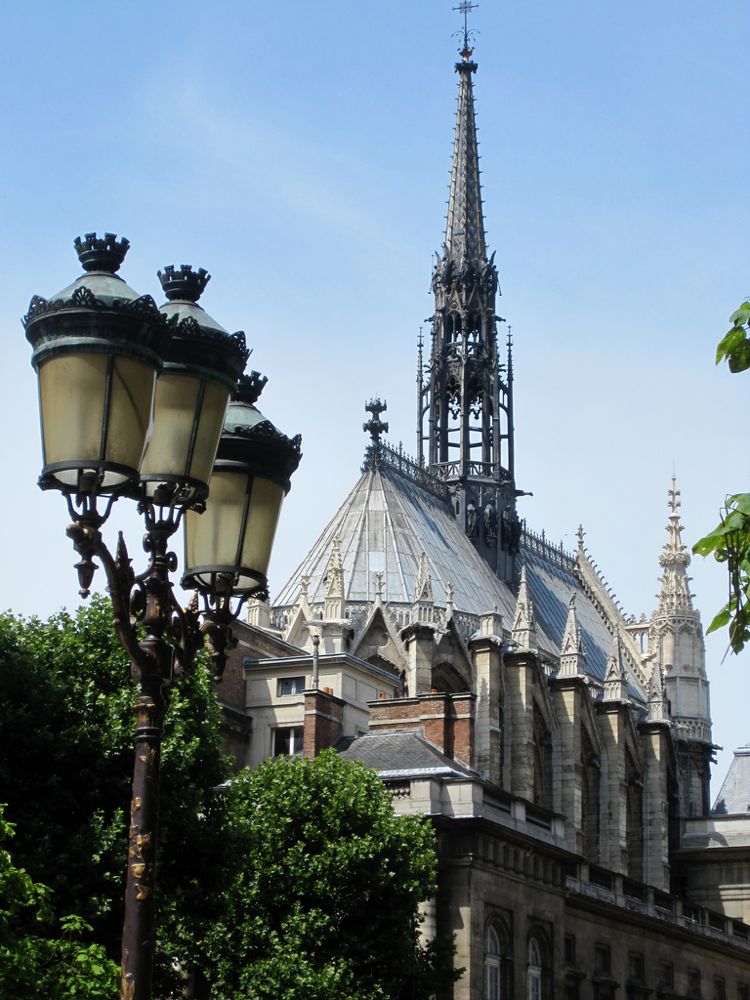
(446, 720)
(323, 721)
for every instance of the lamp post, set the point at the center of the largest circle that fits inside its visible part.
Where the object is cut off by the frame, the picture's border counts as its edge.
(132, 402)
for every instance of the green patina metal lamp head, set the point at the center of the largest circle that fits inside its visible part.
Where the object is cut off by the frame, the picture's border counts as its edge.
(228, 547)
(201, 363)
(96, 349)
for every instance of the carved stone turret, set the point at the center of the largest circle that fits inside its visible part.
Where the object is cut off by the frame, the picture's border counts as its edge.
(676, 643)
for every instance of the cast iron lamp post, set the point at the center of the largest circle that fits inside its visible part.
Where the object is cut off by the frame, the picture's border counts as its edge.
(132, 403)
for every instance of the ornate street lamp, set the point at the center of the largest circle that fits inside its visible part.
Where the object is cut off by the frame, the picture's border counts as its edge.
(228, 547)
(132, 402)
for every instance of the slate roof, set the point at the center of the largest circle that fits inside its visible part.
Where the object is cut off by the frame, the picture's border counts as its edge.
(389, 519)
(734, 797)
(551, 587)
(401, 755)
(384, 525)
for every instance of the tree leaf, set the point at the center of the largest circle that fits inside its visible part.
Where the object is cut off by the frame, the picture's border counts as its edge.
(720, 620)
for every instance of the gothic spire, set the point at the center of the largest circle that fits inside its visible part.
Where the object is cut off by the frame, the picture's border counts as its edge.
(572, 655)
(658, 709)
(335, 592)
(465, 404)
(675, 596)
(615, 678)
(464, 228)
(424, 597)
(524, 621)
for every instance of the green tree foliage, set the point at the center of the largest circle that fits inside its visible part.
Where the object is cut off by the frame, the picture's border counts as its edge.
(66, 757)
(322, 889)
(40, 956)
(296, 880)
(729, 542)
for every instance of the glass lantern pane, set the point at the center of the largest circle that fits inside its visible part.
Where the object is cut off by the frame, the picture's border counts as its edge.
(71, 393)
(175, 410)
(132, 396)
(265, 506)
(73, 390)
(211, 537)
(172, 429)
(213, 410)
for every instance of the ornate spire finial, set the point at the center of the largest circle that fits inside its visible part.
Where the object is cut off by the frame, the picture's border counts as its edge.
(674, 496)
(448, 600)
(463, 8)
(375, 426)
(580, 535)
(675, 596)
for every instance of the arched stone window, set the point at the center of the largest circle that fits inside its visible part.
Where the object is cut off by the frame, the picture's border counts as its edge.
(537, 966)
(534, 971)
(492, 965)
(497, 962)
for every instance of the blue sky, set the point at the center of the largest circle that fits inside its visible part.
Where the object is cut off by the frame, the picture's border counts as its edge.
(301, 152)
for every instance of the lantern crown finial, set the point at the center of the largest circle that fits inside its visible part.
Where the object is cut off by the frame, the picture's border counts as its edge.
(183, 283)
(101, 253)
(249, 387)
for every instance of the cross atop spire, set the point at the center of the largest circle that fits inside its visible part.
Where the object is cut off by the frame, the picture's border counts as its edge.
(463, 8)
(375, 426)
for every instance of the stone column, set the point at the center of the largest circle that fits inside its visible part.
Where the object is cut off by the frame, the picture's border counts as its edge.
(486, 650)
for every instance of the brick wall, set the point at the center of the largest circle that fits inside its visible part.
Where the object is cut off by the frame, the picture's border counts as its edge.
(447, 720)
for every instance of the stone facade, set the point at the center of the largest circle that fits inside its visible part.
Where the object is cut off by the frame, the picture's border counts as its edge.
(561, 748)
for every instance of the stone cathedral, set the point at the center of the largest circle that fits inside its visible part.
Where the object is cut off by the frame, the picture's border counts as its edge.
(562, 749)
